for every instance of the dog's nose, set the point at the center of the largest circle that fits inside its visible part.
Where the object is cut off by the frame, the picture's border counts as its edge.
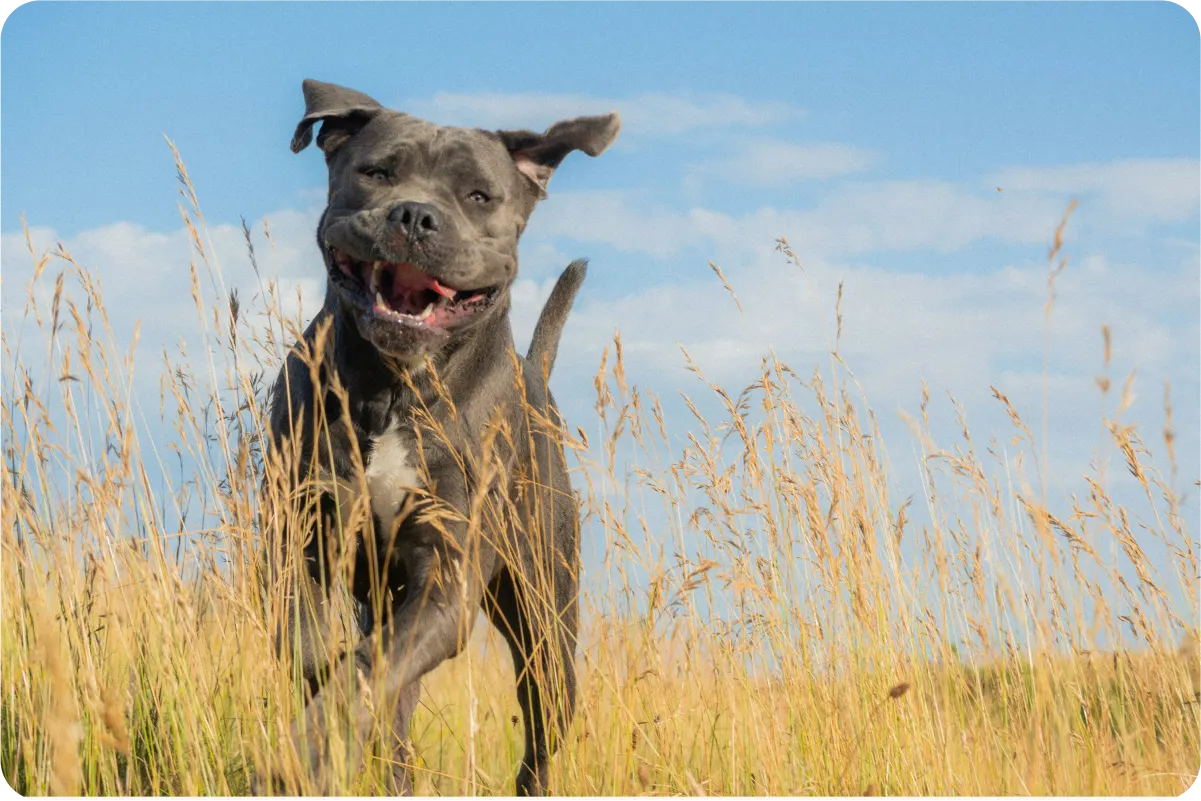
(419, 220)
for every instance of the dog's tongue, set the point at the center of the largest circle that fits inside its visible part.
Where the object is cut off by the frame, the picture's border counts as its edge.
(444, 291)
(408, 279)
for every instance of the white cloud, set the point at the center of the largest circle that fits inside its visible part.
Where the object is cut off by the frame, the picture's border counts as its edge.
(528, 298)
(864, 217)
(145, 276)
(613, 219)
(855, 218)
(1131, 192)
(861, 217)
(773, 162)
(648, 113)
(952, 329)
(961, 333)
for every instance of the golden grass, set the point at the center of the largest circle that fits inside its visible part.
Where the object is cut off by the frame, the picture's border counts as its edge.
(767, 618)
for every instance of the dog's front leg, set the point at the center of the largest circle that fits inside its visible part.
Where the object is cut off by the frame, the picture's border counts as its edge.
(431, 625)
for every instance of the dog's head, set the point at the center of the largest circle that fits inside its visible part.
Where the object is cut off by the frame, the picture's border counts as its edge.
(421, 227)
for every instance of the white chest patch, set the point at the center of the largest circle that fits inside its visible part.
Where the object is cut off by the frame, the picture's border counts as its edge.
(390, 476)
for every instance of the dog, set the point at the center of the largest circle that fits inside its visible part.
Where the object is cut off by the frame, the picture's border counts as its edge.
(417, 372)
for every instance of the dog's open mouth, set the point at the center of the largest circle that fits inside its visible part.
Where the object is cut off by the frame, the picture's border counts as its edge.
(402, 293)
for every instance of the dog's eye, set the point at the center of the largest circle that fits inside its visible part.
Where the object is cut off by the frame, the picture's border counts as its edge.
(478, 197)
(376, 173)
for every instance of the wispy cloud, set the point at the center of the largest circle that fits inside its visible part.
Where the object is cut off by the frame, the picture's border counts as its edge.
(854, 219)
(863, 217)
(1133, 191)
(622, 220)
(773, 162)
(957, 330)
(960, 333)
(146, 279)
(645, 114)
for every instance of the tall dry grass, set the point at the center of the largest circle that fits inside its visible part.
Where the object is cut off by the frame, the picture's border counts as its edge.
(767, 618)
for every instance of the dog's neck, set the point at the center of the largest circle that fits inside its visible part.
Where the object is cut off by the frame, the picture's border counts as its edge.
(380, 388)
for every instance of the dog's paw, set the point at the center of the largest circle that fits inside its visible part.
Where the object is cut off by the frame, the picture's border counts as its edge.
(529, 783)
(298, 770)
(312, 746)
(329, 739)
(323, 751)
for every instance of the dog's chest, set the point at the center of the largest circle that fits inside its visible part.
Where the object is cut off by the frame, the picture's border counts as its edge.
(390, 475)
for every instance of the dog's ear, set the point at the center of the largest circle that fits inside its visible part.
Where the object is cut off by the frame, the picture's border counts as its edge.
(537, 156)
(341, 112)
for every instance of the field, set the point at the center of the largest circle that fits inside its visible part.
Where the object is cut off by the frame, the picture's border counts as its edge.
(768, 617)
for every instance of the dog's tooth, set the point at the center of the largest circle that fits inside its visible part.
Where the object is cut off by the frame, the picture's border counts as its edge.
(379, 300)
(429, 310)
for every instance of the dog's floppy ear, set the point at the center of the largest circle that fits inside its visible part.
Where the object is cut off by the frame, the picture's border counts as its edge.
(341, 111)
(537, 156)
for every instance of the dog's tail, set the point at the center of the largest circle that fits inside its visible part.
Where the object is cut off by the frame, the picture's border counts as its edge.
(545, 342)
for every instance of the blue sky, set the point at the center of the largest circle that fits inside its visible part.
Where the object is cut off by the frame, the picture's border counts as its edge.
(938, 91)
(874, 137)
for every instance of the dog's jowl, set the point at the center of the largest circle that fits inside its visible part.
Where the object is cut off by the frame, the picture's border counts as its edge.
(419, 436)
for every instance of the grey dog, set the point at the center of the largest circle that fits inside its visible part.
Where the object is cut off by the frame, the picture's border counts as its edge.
(419, 239)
